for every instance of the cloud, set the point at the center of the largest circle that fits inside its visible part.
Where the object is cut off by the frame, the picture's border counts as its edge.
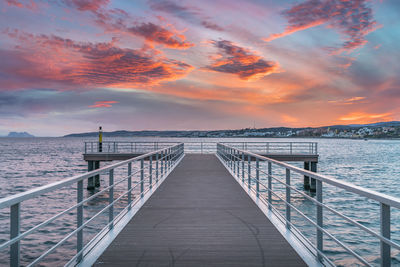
(103, 104)
(85, 5)
(364, 117)
(350, 101)
(241, 61)
(187, 13)
(117, 20)
(212, 26)
(43, 61)
(158, 34)
(31, 5)
(352, 18)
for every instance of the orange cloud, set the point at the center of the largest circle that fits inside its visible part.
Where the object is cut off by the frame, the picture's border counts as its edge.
(51, 61)
(292, 29)
(103, 104)
(363, 117)
(289, 119)
(157, 34)
(349, 101)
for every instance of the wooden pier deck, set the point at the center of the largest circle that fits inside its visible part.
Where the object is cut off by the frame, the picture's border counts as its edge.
(200, 216)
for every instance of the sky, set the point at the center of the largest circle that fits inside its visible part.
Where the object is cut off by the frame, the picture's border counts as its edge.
(69, 66)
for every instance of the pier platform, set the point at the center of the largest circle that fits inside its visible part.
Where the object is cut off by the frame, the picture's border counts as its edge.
(200, 216)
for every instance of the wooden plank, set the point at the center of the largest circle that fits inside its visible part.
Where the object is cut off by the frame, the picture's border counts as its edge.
(200, 216)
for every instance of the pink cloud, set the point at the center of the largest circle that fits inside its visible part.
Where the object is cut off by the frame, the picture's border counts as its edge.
(240, 61)
(22, 4)
(352, 18)
(85, 5)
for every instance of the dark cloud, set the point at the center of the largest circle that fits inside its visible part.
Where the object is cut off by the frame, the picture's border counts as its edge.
(188, 13)
(212, 26)
(240, 61)
(353, 18)
(45, 61)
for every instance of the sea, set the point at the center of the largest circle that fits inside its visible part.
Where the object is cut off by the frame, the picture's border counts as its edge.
(27, 163)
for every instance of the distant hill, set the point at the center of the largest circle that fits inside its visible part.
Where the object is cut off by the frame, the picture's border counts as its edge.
(377, 124)
(19, 134)
(249, 132)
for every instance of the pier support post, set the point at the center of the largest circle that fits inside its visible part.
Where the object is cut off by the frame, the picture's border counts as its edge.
(313, 182)
(90, 185)
(306, 178)
(97, 177)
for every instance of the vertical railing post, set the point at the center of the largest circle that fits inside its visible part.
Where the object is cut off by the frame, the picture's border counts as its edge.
(79, 219)
(385, 232)
(162, 163)
(258, 176)
(14, 232)
(249, 171)
(166, 160)
(291, 148)
(231, 158)
(156, 167)
(151, 171)
(234, 161)
(287, 198)
(129, 185)
(111, 200)
(320, 238)
(243, 166)
(169, 158)
(269, 185)
(238, 164)
(141, 177)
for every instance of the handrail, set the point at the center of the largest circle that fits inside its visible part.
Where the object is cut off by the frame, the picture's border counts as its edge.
(13, 199)
(234, 160)
(265, 147)
(164, 159)
(380, 197)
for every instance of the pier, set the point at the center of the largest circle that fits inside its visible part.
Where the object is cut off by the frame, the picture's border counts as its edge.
(200, 216)
(225, 204)
(307, 152)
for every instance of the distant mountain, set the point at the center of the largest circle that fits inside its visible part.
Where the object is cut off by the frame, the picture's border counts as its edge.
(19, 134)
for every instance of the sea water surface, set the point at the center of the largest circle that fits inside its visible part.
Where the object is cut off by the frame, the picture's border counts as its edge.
(26, 163)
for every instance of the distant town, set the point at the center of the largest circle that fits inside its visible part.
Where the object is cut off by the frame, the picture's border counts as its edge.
(375, 130)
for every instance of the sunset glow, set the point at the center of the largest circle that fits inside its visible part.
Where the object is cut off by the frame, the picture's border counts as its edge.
(180, 65)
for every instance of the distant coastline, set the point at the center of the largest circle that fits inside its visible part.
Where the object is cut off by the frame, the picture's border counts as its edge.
(381, 130)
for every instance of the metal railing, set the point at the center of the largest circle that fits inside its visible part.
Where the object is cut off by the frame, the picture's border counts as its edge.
(267, 148)
(239, 163)
(160, 163)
